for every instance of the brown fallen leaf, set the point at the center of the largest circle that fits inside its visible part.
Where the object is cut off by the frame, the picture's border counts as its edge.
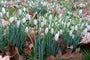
(86, 39)
(82, 5)
(51, 57)
(4, 58)
(32, 14)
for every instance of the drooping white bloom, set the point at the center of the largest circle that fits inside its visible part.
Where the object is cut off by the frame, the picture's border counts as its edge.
(82, 26)
(11, 19)
(42, 24)
(35, 22)
(20, 11)
(80, 12)
(52, 31)
(76, 27)
(50, 18)
(67, 17)
(71, 32)
(60, 15)
(40, 29)
(73, 36)
(26, 29)
(86, 24)
(18, 23)
(28, 17)
(56, 37)
(49, 26)
(64, 8)
(72, 27)
(15, 18)
(1, 15)
(68, 24)
(7, 14)
(46, 30)
(45, 21)
(24, 9)
(88, 27)
(3, 10)
(55, 18)
(69, 12)
(62, 22)
(61, 31)
(23, 20)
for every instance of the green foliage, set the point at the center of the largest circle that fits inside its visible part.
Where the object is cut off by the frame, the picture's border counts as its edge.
(40, 10)
(16, 35)
(86, 54)
(44, 47)
(69, 40)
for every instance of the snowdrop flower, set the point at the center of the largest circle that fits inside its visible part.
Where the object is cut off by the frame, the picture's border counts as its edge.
(23, 20)
(80, 12)
(82, 26)
(76, 27)
(68, 24)
(35, 22)
(24, 9)
(28, 17)
(55, 18)
(52, 31)
(40, 29)
(42, 24)
(15, 18)
(1, 15)
(86, 24)
(88, 27)
(18, 23)
(61, 31)
(49, 26)
(11, 19)
(50, 18)
(7, 14)
(80, 20)
(64, 8)
(73, 36)
(3, 10)
(56, 37)
(45, 21)
(71, 32)
(26, 29)
(46, 30)
(67, 17)
(69, 12)
(62, 22)
(60, 15)
(72, 27)
(20, 11)
(2, 2)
